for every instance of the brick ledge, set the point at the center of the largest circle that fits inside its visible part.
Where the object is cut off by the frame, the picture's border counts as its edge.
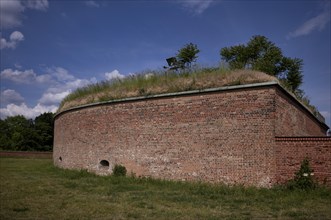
(310, 138)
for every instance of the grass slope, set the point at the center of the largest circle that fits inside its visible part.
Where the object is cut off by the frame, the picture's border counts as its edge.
(35, 189)
(161, 82)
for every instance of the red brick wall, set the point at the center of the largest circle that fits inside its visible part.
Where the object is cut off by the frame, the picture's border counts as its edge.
(290, 151)
(292, 119)
(222, 136)
(217, 137)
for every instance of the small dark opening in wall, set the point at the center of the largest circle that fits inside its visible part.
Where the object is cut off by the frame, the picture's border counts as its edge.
(60, 158)
(104, 163)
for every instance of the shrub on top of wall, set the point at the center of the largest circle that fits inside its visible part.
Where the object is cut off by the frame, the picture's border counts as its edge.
(119, 170)
(304, 178)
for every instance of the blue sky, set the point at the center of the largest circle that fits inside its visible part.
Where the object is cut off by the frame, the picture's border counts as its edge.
(50, 48)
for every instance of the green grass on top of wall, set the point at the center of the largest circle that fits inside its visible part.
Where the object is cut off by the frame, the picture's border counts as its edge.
(161, 82)
(158, 82)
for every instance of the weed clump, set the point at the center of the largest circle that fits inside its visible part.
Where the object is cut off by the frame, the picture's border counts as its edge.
(119, 170)
(304, 177)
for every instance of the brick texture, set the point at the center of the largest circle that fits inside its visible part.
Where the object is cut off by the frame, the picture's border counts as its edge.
(225, 136)
(290, 152)
(292, 119)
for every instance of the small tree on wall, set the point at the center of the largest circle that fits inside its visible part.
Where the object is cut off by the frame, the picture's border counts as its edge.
(304, 177)
(263, 55)
(188, 54)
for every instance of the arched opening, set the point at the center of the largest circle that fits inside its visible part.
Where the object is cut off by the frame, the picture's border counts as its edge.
(104, 163)
(60, 159)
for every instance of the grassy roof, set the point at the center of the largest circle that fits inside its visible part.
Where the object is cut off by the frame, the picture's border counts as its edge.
(153, 83)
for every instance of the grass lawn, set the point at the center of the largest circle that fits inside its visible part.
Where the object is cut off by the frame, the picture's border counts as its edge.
(35, 189)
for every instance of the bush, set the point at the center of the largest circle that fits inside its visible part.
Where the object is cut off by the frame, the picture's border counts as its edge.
(304, 178)
(119, 170)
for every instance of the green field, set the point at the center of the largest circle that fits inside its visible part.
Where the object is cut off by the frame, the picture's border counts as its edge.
(35, 189)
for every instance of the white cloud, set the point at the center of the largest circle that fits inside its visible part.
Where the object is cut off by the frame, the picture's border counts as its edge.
(11, 11)
(16, 36)
(316, 23)
(41, 5)
(43, 79)
(327, 116)
(4, 44)
(196, 6)
(115, 74)
(18, 66)
(60, 89)
(50, 98)
(60, 74)
(23, 109)
(52, 76)
(92, 4)
(14, 39)
(10, 96)
(59, 81)
(74, 84)
(62, 84)
(18, 76)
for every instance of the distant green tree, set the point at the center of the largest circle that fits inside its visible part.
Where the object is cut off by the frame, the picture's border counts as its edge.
(5, 136)
(19, 133)
(44, 127)
(187, 55)
(263, 55)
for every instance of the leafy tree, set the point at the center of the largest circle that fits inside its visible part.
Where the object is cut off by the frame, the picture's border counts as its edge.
(44, 127)
(5, 139)
(19, 133)
(263, 55)
(291, 73)
(14, 127)
(188, 54)
(17, 140)
(304, 177)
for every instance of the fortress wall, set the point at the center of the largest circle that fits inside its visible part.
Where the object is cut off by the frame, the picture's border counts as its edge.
(292, 119)
(223, 135)
(217, 137)
(290, 152)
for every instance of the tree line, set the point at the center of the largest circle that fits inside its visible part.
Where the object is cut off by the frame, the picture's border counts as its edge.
(20, 134)
(258, 54)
